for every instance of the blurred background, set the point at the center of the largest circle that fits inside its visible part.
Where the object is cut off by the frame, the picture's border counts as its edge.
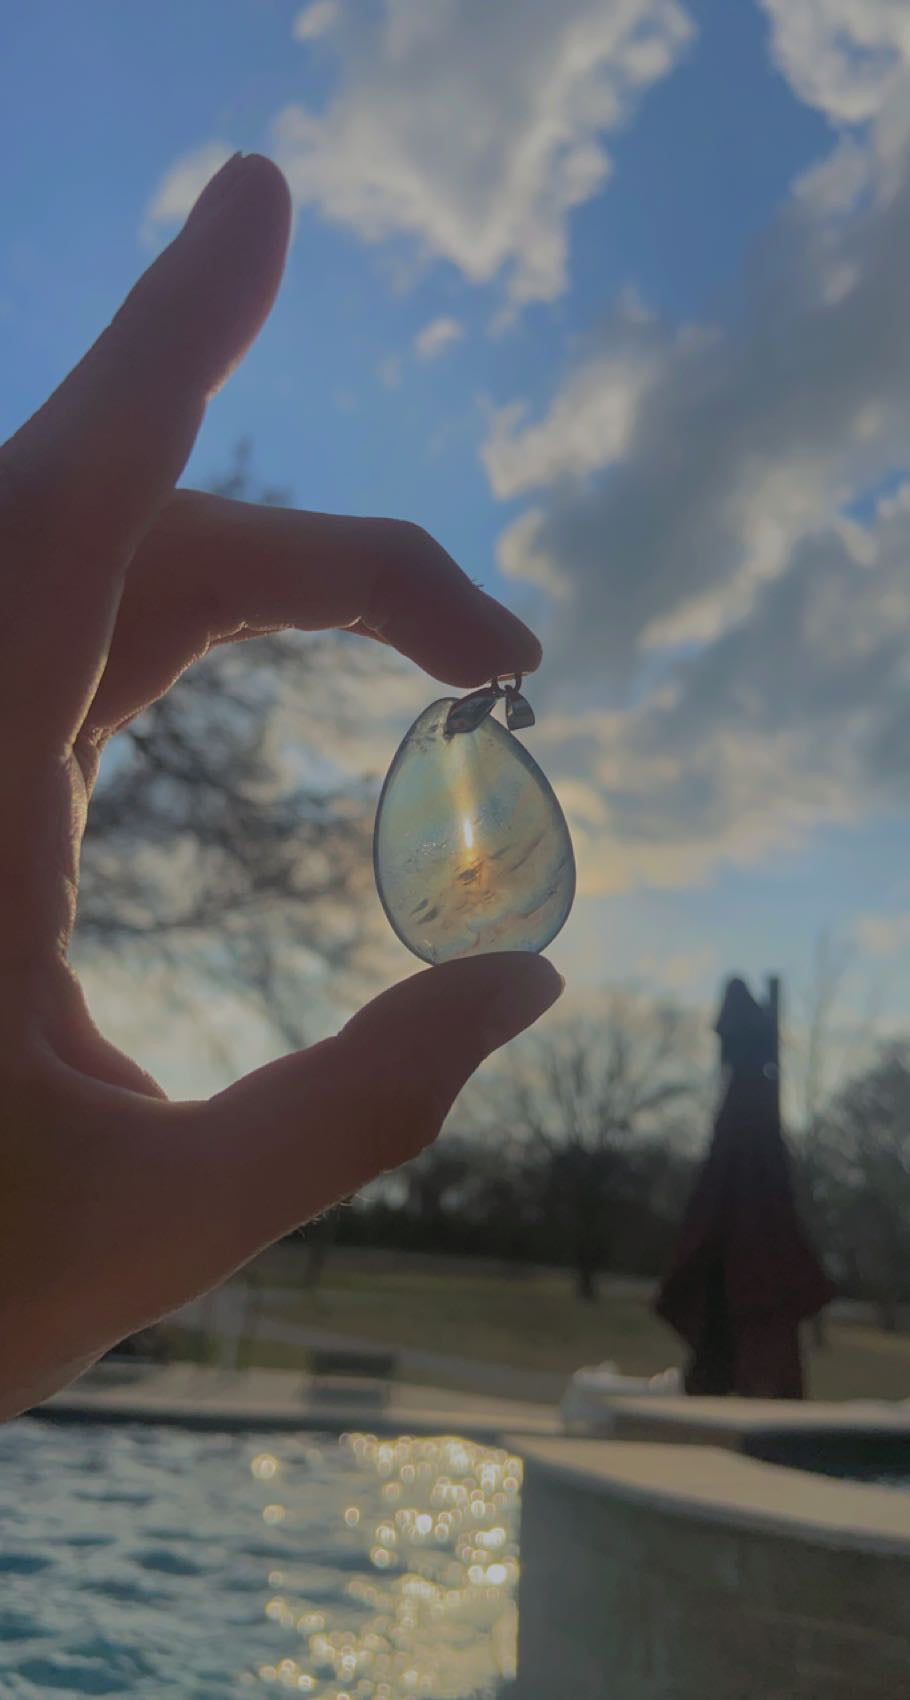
(610, 298)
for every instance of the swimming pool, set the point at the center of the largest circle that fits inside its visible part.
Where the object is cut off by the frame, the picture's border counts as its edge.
(878, 1456)
(151, 1561)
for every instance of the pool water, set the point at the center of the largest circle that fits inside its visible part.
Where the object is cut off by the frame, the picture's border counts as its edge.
(154, 1561)
(878, 1457)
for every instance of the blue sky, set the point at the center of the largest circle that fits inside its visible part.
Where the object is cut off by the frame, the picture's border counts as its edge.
(664, 240)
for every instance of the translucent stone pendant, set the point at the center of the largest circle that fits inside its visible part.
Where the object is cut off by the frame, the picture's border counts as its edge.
(471, 850)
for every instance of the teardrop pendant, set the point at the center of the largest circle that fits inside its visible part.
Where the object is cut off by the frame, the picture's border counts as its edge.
(471, 850)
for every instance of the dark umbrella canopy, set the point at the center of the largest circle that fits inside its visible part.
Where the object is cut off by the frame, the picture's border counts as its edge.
(744, 1275)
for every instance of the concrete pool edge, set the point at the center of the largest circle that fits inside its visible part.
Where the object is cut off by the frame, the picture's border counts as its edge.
(716, 1484)
(730, 1422)
(191, 1396)
(653, 1571)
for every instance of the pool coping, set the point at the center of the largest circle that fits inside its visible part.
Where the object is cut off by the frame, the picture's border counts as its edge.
(728, 1422)
(189, 1396)
(716, 1485)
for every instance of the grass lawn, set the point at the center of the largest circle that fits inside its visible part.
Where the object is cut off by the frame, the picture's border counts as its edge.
(534, 1322)
(860, 1363)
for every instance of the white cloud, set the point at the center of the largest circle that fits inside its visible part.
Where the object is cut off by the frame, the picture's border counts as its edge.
(676, 475)
(842, 56)
(518, 558)
(473, 130)
(797, 716)
(684, 489)
(316, 20)
(590, 422)
(695, 502)
(180, 187)
(436, 337)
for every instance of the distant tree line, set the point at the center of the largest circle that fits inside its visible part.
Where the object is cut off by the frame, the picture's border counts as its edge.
(853, 1162)
(575, 1151)
(585, 1148)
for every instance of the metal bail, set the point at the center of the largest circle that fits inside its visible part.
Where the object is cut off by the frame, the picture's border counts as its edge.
(467, 714)
(519, 713)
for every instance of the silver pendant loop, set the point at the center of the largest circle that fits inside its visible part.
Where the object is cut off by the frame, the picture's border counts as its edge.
(470, 711)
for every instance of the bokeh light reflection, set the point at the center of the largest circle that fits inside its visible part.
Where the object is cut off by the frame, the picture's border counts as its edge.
(280, 1564)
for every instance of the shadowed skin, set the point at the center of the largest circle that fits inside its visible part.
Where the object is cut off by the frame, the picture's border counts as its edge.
(117, 1205)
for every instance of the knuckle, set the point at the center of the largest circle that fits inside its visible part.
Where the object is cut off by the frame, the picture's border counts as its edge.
(416, 539)
(207, 602)
(407, 558)
(403, 540)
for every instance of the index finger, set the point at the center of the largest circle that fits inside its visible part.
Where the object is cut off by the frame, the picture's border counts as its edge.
(211, 569)
(81, 481)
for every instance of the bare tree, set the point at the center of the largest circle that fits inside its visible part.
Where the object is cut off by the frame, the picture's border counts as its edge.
(824, 1053)
(863, 1143)
(210, 845)
(829, 965)
(446, 1172)
(586, 1105)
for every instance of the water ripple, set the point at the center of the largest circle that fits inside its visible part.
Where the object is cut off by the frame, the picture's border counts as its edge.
(203, 1565)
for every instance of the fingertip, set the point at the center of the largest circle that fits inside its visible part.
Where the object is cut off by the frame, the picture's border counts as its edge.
(534, 652)
(513, 647)
(494, 996)
(528, 986)
(459, 1010)
(480, 641)
(243, 174)
(234, 245)
(530, 650)
(261, 177)
(191, 316)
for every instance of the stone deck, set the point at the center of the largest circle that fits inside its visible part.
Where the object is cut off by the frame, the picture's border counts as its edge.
(199, 1397)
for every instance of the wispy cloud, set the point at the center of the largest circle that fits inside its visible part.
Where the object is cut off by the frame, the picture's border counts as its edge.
(473, 131)
(695, 503)
(316, 20)
(676, 473)
(591, 420)
(436, 337)
(843, 56)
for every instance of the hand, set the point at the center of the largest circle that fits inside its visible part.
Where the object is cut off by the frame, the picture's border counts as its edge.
(117, 1206)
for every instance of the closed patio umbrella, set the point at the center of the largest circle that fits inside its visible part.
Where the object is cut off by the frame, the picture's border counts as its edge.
(744, 1275)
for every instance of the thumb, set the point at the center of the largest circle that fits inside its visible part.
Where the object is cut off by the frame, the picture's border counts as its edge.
(297, 1135)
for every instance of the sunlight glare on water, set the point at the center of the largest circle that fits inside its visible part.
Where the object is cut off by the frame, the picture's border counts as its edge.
(142, 1560)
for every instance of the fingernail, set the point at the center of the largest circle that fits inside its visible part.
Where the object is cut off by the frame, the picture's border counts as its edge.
(533, 987)
(216, 190)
